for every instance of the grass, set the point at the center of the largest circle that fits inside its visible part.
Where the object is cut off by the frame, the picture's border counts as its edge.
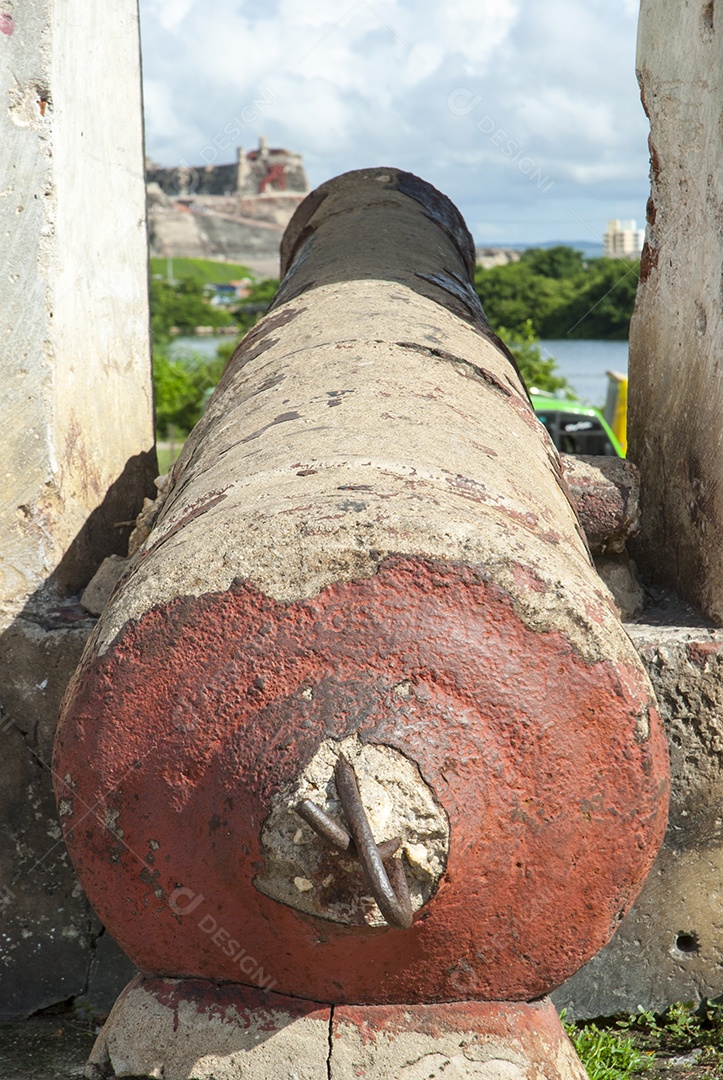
(168, 450)
(205, 270)
(607, 1055)
(686, 1041)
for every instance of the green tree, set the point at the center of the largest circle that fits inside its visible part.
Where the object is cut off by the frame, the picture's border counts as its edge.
(514, 293)
(254, 306)
(563, 295)
(602, 305)
(537, 371)
(174, 393)
(179, 384)
(556, 262)
(179, 387)
(183, 305)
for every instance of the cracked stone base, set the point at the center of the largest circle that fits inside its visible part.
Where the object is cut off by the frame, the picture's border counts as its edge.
(191, 1029)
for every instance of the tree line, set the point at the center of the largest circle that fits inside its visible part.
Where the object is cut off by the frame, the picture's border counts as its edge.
(563, 294)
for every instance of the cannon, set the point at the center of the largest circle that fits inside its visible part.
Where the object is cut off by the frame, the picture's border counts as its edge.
(360, 728)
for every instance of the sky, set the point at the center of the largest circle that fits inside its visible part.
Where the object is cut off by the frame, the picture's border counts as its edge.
(525, 112)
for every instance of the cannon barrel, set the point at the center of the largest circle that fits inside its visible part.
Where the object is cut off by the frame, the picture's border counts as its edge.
(367, 552)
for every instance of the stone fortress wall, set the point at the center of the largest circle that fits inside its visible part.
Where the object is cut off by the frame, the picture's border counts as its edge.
(264, 171)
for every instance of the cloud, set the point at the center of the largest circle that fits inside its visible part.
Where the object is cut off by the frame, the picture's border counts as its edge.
(367, 83)
(168, 13)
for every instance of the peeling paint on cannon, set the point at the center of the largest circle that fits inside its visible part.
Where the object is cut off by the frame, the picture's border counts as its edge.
(368, 504)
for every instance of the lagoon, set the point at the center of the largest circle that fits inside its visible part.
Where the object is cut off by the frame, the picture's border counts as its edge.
(184, 348)
(584, 363)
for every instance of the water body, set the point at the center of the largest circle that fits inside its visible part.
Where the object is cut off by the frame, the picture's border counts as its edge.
(583, 363)
(185, 348)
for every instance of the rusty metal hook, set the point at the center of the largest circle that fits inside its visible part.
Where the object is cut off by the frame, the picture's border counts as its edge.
(384, 875)
(396, 909)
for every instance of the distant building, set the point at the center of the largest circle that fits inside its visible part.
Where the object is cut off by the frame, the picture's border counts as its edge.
(622, 240)
(266, 171)
(487, 257)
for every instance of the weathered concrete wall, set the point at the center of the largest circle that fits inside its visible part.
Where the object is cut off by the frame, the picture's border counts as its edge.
(77, 432)
(77, 397)
(676, 337)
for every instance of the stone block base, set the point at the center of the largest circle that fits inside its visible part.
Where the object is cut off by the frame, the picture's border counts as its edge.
(190, 1029)
(494, 1040)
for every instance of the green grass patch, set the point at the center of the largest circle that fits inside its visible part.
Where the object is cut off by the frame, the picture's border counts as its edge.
(607, 1055)
(207, 271)
(685, 1041)
(168, 450)
(683, 1029)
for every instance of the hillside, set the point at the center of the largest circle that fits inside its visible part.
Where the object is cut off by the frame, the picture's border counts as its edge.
(230, 229)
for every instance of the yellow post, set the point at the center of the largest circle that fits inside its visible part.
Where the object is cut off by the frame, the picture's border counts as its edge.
(620, 418)
(616, 407)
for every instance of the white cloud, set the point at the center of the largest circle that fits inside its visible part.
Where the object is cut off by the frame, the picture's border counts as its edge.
(169, 13)
(160, 109)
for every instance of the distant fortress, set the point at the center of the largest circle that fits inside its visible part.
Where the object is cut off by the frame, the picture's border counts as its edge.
(266, 171)
(235, 212)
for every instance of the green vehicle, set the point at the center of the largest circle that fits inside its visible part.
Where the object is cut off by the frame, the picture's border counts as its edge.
(574, 427)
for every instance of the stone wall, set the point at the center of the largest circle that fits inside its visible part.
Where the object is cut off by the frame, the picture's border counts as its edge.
(204, 180)
(676, 335)
(267, 170)
(77, 433)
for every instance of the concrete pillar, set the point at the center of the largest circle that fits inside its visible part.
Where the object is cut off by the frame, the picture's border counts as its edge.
(77, 428)
(668, 947)
(676, 336)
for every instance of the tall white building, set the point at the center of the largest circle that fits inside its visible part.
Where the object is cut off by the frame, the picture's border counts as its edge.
(622, 240)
